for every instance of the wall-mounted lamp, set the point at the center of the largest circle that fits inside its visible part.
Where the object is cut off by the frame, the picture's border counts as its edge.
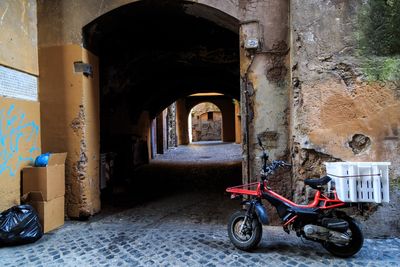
(252, 33)
(85, 68)
(252, 43)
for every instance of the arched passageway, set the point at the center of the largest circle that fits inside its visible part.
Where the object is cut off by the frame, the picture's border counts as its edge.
(151, 55)
(230, 110)
(205, 123)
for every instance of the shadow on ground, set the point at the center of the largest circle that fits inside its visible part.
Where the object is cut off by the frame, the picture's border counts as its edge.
(201, 185)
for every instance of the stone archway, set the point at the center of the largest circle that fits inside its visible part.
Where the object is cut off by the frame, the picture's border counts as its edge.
(263, 72)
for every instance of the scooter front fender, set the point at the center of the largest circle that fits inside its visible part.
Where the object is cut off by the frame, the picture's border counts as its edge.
(259, 209)
(261, 212)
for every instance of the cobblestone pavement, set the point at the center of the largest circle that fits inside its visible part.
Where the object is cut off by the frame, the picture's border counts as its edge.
(203, 152)
(182, 230)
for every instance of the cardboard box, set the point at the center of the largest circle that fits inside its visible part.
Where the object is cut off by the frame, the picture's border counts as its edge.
(49, 180)
(51, 213)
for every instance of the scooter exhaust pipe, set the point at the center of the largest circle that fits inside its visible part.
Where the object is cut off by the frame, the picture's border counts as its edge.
(322, 233)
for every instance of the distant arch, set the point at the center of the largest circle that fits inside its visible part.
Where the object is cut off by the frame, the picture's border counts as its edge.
(205, 122)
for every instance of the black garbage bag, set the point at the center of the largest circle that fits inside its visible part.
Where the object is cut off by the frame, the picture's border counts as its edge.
(19, 225)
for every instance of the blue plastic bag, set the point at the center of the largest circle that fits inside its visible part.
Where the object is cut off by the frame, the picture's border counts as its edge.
(42, 160)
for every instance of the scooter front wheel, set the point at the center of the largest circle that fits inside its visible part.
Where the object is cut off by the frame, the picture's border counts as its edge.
(245, 235)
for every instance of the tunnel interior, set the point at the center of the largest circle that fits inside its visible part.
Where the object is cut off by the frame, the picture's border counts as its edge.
(152, 54)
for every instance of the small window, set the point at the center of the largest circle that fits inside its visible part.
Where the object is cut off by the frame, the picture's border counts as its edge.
(210, 116)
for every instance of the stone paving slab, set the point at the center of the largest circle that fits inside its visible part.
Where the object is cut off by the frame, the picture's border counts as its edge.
(149, 235)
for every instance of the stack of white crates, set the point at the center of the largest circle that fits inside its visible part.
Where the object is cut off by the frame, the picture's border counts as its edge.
(360, 181)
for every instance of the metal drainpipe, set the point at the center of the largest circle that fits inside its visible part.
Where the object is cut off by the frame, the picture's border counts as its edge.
(247, 128)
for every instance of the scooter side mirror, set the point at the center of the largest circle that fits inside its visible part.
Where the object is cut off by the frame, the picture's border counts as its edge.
(264, 155)
(259, 142)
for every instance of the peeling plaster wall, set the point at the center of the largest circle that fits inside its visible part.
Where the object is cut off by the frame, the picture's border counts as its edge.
(265, 89)
(346, 106)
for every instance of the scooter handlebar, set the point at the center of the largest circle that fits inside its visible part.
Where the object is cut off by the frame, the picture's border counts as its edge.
(280, 163)
(276, 164)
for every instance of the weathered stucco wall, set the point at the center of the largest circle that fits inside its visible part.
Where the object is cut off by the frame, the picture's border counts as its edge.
(18, 38)
(19, 119)
(345, 96)
(69, 113)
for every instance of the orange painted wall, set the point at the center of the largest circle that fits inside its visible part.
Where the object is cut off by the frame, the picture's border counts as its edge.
(70, 118)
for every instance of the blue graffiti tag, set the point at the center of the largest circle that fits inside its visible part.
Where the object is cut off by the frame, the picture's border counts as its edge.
(18, 140)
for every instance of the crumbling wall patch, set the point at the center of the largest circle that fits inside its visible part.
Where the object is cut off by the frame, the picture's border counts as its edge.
(77, 124)
(359, 143)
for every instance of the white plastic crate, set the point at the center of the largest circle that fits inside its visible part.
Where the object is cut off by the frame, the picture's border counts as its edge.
(360, 181)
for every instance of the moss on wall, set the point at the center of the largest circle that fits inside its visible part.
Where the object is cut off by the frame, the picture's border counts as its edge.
(379, 22)
(382, 68)
(379, 39)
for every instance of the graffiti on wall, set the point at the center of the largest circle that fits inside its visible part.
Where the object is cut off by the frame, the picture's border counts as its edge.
(18, 140)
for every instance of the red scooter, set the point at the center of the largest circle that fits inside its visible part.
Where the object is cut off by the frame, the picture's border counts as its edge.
(319, 221)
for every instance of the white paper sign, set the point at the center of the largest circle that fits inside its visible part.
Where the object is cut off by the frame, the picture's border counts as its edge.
(18, 84)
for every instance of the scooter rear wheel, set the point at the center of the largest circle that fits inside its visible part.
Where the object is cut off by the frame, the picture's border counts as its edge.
(249, 236)
(356, 243)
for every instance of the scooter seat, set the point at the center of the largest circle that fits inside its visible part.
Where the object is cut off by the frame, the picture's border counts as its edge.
(316, 183)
